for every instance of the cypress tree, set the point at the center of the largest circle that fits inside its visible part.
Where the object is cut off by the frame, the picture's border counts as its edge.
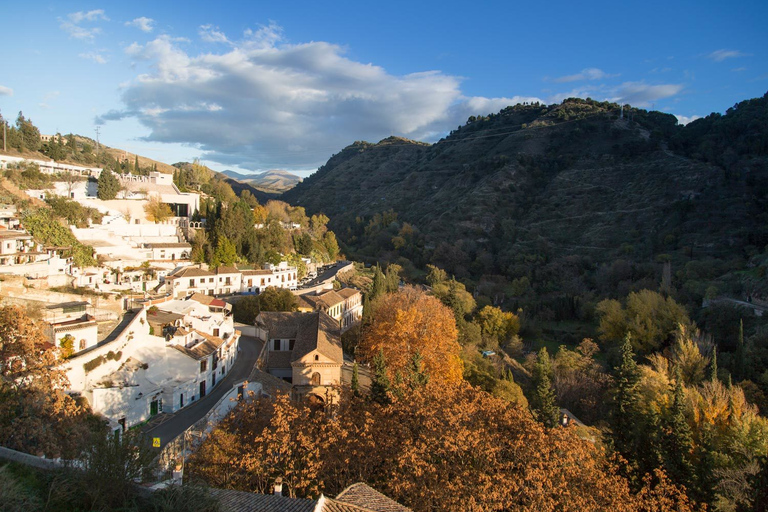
(679, 440)
(625, 402)
(380, 385)
(355, 384)
(713, 365)
(543, 400)
(740, 355)
(379, 285)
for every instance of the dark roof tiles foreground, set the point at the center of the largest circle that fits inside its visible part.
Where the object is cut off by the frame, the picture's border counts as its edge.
(312, 331)
(358, 497)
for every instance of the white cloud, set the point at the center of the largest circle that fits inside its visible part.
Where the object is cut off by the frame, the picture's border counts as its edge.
(721, 55)
(72, 25)
(6, 91)
(97, 57)
(683, 120)
(51, 95)
(211, 34)
(80, 16)
(585, 74)
(262, 104)
(144, 24)
(640, 94)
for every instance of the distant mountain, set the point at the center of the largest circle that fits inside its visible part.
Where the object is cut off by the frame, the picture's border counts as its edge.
(553, 193)
(268, 181)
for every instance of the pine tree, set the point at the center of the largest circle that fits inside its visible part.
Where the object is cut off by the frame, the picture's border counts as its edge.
(136, 168)
(625, 401)
(380, 385)
(678, 437)
(355, 384)
(713, 365)
(416, 376)
(543, 400)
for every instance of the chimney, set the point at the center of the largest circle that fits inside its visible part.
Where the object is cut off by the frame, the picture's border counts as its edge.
(279, 486)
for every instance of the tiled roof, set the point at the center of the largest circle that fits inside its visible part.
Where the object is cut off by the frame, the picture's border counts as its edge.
(190, 272)
(169, 245)
(15, 235)
(365, 497)
(348, 292)
(312, 331)
(239, 501)
(208, 300)
(260, 272)
(223, 269)
(202, 349)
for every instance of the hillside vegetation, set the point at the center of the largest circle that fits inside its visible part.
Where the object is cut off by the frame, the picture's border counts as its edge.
(564, 200)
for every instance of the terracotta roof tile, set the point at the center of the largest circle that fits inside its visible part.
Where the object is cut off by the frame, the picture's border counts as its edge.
(361, 495)
(239, 501)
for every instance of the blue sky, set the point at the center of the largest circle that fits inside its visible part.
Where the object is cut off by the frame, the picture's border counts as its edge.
(260, 85)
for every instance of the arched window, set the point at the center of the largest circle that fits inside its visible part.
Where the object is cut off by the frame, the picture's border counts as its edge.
(315, 380)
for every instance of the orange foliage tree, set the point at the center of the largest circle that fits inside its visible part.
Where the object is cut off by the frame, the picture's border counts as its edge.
(440, 447)
(409, 322)
(36, 416)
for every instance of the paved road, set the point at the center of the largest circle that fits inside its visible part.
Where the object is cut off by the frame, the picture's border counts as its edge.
(325, 275)
(168, 426)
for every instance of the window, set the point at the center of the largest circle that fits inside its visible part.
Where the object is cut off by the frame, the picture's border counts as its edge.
(317, 357)
(216, 332)
(291, 343)
(275, 344)
(210, 280)
(203, 366)
(191, 283)
(315, 380)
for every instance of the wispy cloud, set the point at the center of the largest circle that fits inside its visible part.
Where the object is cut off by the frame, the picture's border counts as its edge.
(683, 120)
(144, 24)
(211, 34)
(98, 57)
(721, 55)
(641, 94)
(585, 74)
(263, 103)
(738, 70)
(72, 24)
(5, 91)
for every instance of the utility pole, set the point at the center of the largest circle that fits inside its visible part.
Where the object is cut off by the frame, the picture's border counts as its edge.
(97, 138)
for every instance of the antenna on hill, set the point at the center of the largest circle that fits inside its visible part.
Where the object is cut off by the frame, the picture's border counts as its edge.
(98, 128)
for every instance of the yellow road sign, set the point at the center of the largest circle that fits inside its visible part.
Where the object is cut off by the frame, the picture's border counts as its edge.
(156, 442)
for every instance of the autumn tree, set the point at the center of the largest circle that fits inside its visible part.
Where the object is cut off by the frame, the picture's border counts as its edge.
(439, 447)
(36, 416)
(408, 322)
(156, 210)
(496, 325)
(648, 316)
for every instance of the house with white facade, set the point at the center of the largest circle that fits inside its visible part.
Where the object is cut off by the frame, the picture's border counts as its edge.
(49, 166)
(344, 305)
(145, 369)
(305, 350)
(160, 185)
(278, 276)
(21, 256)
(226, 280)
(73, 319)
(9, 217)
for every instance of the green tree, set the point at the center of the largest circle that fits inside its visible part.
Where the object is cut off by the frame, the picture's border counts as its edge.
(108, 185)
(224, 254)
(378, 285)
(380, 384)
(331, 245)
(277, 299)
(30, 135)
(543, 401)
(678, 441)
(626, 399)
(416, 376)
(355, 383)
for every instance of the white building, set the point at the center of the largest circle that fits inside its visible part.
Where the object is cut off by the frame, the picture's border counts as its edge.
(21, 256)
(227, 280)
(9, 217)
(74, 319)
(49, 166)
(139, 372)
(278, 276)
(345, 305)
